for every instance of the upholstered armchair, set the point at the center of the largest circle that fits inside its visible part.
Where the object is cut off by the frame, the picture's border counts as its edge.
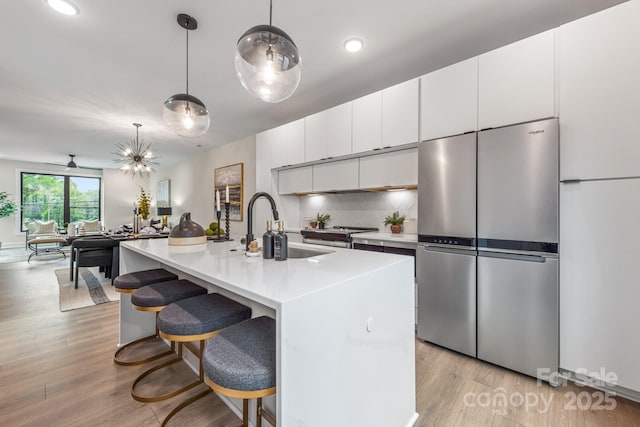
(91, 252)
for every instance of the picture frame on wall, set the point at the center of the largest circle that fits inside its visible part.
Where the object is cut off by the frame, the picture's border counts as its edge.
(233, 176)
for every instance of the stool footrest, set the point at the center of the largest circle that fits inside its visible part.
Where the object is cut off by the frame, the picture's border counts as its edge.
(183, 405)
(118, 361)
(164, 396)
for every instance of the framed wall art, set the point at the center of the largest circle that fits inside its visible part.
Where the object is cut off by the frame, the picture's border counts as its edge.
(233, 176)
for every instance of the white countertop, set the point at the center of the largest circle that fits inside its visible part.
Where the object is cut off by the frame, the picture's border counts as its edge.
(389, 237)
(268, 282)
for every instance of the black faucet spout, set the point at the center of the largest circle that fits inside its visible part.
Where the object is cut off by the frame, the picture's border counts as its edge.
(255, 197)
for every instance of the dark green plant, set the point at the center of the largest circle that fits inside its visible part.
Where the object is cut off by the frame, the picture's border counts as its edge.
(394, 219)
(7, 206)
(322, 218)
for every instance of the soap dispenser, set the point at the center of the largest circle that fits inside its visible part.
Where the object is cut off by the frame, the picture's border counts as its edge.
(281, 243)
(268, 242)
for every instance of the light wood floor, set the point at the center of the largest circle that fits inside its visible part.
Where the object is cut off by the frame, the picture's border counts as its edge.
(56, 370)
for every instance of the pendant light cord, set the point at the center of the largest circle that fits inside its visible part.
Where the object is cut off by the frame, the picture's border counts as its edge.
(187, 30)
(270, 11)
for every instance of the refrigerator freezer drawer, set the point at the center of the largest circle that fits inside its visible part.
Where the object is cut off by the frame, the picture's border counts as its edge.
(518, 312)
(447, 299)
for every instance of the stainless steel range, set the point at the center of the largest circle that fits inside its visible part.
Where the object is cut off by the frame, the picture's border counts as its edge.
(338, 236)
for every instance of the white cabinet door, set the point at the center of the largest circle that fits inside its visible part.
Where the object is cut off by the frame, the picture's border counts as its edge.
(315, 136)
(339, 130)
(394, 169)
(599, 273)
(449, 100)
(334, 176)
(599, 64)
(287, 142)
(400, 105)
(294, 181)
(516, 82)
(328, 133)
(367, 123)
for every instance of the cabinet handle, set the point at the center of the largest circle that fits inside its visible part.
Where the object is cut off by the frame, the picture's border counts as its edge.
(571, 181)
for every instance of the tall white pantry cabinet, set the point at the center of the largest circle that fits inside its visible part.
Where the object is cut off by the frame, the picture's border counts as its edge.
(599, 102)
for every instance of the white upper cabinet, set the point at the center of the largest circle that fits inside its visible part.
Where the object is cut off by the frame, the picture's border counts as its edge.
(297, 180)
(328, 133)
(367, 123)
(599, 64)
(449, 98)
(287, 143)
(516, 82)
(400, 105)
(335, 176)
(394, 169)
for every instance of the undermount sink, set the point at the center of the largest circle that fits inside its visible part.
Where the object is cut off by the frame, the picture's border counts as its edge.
(293, 252)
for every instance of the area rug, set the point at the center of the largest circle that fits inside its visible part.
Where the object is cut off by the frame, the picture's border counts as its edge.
(93, 289)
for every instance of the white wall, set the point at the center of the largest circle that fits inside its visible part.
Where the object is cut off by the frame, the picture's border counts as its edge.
(192, 182)
(120, 191)
(362, 209)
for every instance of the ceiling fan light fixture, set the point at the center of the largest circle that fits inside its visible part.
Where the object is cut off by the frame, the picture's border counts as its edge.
(71, 164)
(268, 62)
(64, 7)
(185, 114)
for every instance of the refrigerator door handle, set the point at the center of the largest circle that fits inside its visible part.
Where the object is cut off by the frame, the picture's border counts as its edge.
(516, 257)
(449, 250)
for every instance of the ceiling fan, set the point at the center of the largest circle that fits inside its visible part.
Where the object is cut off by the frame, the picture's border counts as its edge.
(72, 165)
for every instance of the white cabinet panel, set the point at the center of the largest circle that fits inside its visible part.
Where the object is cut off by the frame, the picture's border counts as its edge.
(599, 65)
(328, 133)
(516, 82)
(333, 176)
(400, 105)
(449, 100)
(298, 180)
(599, 273)
(339, 130)
(367, 123)
(315, 136)
(395, 169)
(287, 144)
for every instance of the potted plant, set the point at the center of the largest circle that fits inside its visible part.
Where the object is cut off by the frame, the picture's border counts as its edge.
(322, 219)
(7, 206)
(395, 220)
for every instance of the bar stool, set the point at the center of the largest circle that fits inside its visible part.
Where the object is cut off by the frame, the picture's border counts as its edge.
(240, 362)
(127, 284)
(188, 321)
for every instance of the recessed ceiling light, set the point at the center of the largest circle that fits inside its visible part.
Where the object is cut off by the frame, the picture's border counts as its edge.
(353, 44)
(63, 7)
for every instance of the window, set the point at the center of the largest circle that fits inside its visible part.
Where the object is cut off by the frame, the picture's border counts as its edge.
(59, 198)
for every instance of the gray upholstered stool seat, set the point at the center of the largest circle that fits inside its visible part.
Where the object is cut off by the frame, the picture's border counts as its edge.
(240, 362)
(186, 321)
(201, 314)
(158, 295)
(127, 283)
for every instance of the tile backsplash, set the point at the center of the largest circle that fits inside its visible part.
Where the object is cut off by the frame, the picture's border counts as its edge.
(362, 209)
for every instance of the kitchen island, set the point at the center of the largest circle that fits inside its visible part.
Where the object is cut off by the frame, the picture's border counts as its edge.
(345, 332)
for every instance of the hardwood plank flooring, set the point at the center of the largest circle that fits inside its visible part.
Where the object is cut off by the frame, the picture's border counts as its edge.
(56, 369)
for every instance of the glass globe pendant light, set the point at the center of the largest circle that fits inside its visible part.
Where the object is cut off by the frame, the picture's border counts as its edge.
(185, 114)
(268, 62)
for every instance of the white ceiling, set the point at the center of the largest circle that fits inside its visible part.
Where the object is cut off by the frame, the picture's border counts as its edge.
(75, 84)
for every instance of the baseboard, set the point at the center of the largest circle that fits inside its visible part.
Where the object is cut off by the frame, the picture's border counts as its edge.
(616, 390)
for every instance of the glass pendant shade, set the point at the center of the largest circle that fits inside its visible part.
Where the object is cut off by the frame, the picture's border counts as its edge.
(268, 63)
(186, 115)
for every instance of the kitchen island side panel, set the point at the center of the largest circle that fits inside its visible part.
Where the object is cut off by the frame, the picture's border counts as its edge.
(348, 353)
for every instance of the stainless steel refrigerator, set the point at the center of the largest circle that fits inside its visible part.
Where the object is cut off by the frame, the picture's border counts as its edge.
(446, 256)
(500, 282)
